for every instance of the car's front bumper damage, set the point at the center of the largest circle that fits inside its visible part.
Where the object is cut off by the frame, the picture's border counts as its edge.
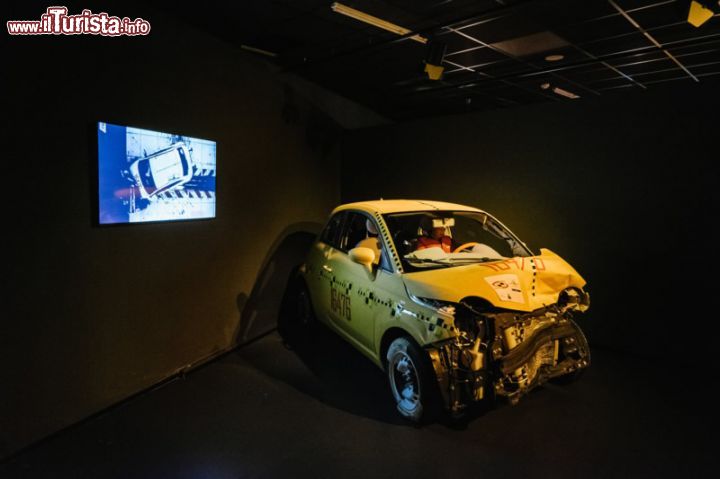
(507, 353)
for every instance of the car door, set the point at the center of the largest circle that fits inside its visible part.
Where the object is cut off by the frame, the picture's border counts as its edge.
(320, 275)
(353, 292)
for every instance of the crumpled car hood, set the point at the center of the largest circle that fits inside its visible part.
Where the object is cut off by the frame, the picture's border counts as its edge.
(523, 284)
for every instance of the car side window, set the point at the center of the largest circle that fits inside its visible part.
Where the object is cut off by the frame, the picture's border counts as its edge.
(356, 231)
(331, 233)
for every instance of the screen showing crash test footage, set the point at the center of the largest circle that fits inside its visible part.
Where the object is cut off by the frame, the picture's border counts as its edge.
(146, 176)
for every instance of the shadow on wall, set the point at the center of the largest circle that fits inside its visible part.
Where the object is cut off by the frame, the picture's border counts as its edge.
(259, 311)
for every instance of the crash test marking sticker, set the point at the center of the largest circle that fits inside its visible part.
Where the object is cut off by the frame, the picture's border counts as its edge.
(507, 287)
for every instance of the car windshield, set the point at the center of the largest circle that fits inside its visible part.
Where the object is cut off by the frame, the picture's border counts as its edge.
(441, 239)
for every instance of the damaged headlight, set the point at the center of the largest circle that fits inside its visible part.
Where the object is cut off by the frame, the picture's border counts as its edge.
(443, 307)
(574, 299)
(468, 325)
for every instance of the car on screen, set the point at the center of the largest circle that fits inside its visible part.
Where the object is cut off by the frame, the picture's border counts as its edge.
(163, 170)
(446, 300)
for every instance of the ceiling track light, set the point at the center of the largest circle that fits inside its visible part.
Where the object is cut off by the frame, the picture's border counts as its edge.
(701, 11)
(434, 59)
(260, 51)
(560, 91)
(375, 21)
(435, 51)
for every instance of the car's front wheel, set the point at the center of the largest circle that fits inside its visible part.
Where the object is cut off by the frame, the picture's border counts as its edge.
(410, 379)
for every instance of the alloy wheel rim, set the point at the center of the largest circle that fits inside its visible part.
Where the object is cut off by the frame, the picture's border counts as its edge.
(405, 384)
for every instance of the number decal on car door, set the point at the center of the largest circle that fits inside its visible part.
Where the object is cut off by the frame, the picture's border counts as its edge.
(340, 303)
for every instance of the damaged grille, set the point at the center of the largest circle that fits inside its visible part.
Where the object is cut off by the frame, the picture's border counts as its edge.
(508, 353)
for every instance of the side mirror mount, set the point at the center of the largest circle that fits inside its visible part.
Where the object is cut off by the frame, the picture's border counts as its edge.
(363, 256)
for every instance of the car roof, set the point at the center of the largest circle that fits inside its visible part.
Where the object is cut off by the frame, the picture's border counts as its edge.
(396, 206)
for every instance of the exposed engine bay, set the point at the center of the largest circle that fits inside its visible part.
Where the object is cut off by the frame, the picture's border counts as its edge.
(504, 353)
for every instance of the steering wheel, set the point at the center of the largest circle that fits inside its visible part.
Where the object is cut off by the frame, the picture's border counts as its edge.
(465, 246)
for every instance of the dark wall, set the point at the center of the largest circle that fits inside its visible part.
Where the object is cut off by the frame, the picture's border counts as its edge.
(622, 186)
(95, 314)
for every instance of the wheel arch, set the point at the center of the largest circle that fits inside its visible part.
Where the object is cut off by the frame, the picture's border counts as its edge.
(478, 303)
(390, 335)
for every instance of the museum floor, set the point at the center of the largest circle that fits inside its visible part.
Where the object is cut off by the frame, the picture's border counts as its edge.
(269, 411)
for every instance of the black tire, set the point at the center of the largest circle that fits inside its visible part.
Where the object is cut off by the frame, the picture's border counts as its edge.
(297, 317)
(303, 312)
(412, 380)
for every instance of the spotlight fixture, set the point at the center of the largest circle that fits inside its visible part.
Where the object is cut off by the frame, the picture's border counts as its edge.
(554, 58)
(560, 91)
(701, 11)
(434, 59)
(374, 21)
(259, 51)
(435, 50)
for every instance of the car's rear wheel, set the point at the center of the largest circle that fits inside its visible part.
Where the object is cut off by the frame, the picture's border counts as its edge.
(304, 315)
(410, 380)
(296, 317)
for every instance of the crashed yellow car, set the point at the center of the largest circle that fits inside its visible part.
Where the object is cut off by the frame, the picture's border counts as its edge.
(446, 300)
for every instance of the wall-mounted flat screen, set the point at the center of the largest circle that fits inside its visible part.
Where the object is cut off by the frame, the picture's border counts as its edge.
(147, 175)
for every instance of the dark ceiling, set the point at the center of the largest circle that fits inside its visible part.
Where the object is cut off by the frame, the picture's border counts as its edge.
(496, 49)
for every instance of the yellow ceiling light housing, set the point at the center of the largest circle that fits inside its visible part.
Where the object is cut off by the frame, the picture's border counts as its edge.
(699, 14)
(374, 21)
(435, 52)
(434, 71)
